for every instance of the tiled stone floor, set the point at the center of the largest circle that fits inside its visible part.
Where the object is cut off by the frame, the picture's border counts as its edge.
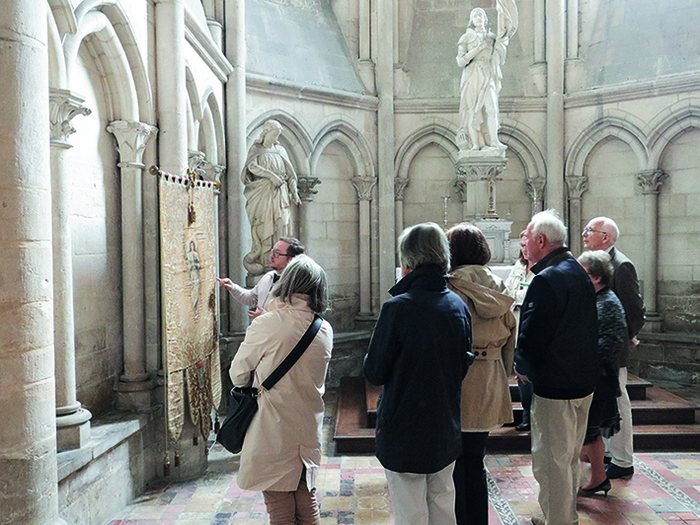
(352, 490)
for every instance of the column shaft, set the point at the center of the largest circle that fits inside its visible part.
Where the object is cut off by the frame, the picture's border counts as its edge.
(556, 48)
(237, 226)
(385, 145)
(27, 391)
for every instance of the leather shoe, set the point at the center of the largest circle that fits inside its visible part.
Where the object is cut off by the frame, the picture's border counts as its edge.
(522, 427)
(538, 520)
(615, 472)
(605, 486)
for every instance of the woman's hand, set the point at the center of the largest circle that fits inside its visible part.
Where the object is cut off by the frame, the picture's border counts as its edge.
(225, 283)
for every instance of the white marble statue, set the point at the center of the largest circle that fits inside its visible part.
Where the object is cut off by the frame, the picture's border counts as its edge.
(270, 189)
(480, 54)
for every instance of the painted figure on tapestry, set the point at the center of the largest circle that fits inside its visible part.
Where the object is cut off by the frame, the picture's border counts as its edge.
(194, 265)
(480, 54)
(270, 189)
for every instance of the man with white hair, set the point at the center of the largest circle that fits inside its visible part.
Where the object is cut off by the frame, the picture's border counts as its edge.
(557, 352)
(601, 233)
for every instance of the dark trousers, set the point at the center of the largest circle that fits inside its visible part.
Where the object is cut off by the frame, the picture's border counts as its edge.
(525, 390)
(471, 491)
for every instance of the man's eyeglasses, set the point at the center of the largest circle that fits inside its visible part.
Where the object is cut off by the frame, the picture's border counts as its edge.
(591, 230)
(275, 253)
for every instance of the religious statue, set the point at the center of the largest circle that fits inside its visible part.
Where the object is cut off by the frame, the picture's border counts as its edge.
(480, 54)
(270, 188)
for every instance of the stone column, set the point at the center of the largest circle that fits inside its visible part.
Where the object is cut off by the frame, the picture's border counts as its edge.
(135, 384)
(237, 152)
(577, 186)
(72, 421)
(27, 391)
(365, 187)
(555, 49)
(305, 188)
(385, 145)
(651, 181)
(399, 188)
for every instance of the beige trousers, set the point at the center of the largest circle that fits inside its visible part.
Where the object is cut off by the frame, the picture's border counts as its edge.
(558, 429)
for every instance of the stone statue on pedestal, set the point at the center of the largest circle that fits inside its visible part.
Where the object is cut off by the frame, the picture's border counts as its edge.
(270, 189)
(480, 54)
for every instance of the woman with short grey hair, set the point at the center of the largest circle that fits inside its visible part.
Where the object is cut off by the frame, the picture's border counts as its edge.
(423, 244)
(282, 449)
(419, 353)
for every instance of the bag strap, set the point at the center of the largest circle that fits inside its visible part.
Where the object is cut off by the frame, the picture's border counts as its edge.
(295, 354)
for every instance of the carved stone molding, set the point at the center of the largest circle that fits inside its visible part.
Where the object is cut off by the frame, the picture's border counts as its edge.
(132, 138)
(399, 188)
(63, 106)
(305, 187)
(577, 185)
(203, 169)
(461, 185)
(651, 181)
(479, 169)
(364, 187)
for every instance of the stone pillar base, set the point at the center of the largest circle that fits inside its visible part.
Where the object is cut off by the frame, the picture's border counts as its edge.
(135, 396)
(365, 321)
(73, 430)
(654, 323)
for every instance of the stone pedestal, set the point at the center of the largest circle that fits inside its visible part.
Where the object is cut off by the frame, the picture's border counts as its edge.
(482, 165)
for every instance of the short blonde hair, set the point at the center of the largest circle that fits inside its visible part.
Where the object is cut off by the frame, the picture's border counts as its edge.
(303, 275)
(423, 244)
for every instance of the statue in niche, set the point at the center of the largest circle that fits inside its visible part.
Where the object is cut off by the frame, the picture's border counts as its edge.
(270, 189)
(480, 54)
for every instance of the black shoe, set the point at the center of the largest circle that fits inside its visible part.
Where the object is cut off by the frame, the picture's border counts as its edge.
(607, 460)
(605, 486)
(523, 427)
(615, 472)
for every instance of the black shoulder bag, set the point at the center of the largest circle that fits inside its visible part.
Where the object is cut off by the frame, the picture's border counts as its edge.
(243, 402)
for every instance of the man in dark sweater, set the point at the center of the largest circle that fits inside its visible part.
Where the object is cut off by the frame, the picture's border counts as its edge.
(557, 353)
(601, 234)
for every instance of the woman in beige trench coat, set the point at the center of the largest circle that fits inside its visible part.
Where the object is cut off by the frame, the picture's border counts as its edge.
(282, 449)
(486, 401)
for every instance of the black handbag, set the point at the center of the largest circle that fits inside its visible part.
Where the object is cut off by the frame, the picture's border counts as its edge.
(243, 402)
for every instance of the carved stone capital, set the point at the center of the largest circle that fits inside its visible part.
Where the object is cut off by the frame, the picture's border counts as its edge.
(364, 187)
(535, 188)
(132, 138)
(399, 188)
(305, 188)
(203, 169)
(473, 169)
(63, 106)
(651, 181)
(576, 185)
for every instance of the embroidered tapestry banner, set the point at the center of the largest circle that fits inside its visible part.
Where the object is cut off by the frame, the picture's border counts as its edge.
(188, 291)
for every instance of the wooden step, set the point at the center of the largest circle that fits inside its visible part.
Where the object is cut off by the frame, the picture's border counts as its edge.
(353, 434)
(636, 388)
(662, 421)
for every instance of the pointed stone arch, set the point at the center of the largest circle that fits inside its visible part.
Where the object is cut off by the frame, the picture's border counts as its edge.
(351, 139)
(666, 130)
(109, 33)
(439, 135)
(594, 135)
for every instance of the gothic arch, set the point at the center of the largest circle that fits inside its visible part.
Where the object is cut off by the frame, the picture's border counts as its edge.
(57, 68)
(213, 112)
(440, 135)
(104, 27)
(194, 110)
(526, 150)
(607, 127)
(665, 131)
(295, 139)
(351, 139)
